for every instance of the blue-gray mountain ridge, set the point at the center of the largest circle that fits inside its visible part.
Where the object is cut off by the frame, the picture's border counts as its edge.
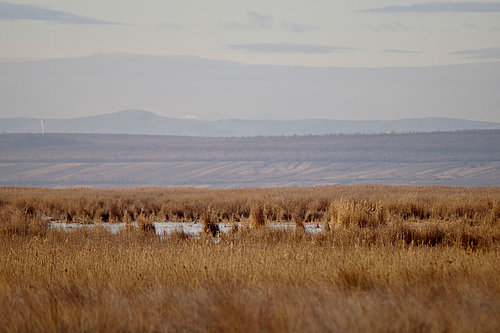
(144, 122)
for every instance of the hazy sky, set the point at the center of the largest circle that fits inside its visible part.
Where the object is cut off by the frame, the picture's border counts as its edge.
(362, 33)
(313, 32)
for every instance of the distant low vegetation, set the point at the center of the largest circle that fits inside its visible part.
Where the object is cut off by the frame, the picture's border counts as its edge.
(462, 158)
(473, 145)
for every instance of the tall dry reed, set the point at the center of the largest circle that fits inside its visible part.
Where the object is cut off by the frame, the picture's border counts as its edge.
(257, 218)
(356, 212)
(396, 259)
(210, 227)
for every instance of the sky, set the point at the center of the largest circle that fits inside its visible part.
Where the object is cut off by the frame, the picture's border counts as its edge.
(362, 33)
(368, 34)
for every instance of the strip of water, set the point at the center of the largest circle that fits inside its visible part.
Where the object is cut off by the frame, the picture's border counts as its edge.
(166, 228)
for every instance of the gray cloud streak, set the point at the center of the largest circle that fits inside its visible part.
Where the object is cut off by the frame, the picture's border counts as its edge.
(436, 7)
(486, 53)
(13, 12)
(258, 21)
(393, 27)
(287, 48)
(400, 51)
(297, 27)
(255, 21)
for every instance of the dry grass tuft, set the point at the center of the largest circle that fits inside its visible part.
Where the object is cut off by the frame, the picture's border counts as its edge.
(326, 226)
(145, 225)
(362, 213)
(299, 224)
(495, 213)
(177, 236)
(210, 227)
(427, 235)
(257, 218)
(19, 223)
(234, 229)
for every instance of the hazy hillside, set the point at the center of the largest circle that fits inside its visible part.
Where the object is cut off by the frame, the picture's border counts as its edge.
(176, 86)
(142, 122)
(466, 158)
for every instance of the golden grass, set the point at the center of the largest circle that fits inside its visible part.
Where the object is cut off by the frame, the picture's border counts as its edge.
(257, 218)
(430, 265)
(278, 204)
(210, 227)
(361, 213)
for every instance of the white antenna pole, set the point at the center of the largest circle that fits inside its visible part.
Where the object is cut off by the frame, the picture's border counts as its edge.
(43, 126)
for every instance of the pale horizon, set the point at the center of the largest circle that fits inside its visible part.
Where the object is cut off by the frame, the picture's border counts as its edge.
(196, 118)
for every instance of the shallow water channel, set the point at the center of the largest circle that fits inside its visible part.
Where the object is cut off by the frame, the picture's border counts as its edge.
(166, 228)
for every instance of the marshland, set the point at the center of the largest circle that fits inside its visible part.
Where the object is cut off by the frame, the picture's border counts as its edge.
(385, 259)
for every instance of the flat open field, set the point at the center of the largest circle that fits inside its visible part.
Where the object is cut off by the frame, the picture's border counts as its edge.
(387, 259)
(464, 158)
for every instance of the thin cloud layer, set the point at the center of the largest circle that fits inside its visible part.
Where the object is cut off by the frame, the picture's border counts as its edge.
(399, 51)
(170, 26)
(14, 12)
(486, 53)
(287, 48)
(255, 21)
(436, 7)
(258, 21)
(297, 27)
(392, 27)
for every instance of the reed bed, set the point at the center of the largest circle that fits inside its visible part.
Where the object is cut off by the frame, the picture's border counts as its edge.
(426, 260)
(313, 204)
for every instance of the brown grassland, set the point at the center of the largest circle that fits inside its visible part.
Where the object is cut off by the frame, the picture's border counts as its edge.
(389, 259)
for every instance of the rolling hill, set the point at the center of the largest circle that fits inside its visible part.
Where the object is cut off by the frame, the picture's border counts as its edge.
(148, 123)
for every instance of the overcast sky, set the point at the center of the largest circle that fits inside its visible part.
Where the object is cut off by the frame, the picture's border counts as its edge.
(321, 33)
(368, 33)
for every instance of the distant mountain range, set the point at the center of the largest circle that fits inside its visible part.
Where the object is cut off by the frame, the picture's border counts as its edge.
(144, 122)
